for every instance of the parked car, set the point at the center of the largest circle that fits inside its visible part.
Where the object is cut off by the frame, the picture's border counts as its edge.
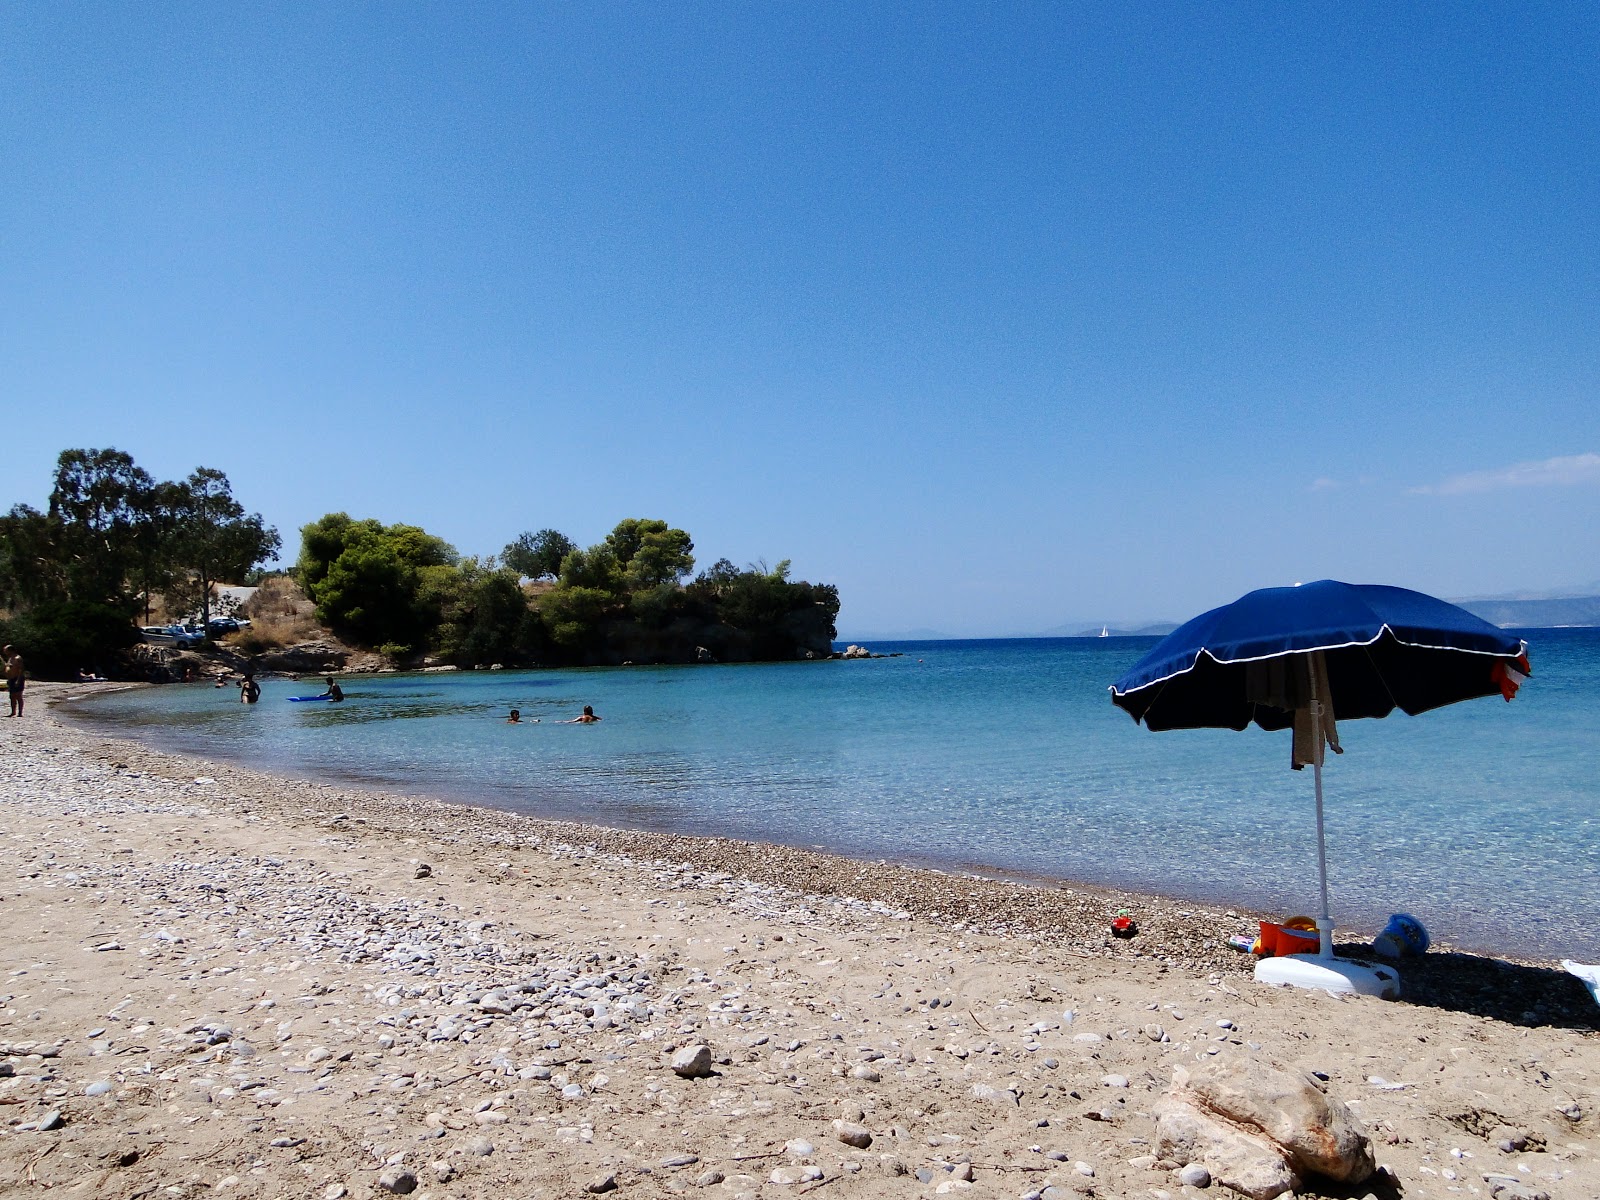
(218, 626)
(177, 636)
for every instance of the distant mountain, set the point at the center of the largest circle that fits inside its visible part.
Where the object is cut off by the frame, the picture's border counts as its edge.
(1552, 613)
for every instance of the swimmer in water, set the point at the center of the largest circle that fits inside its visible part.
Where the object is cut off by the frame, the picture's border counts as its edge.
(335, 693)
(515, 718)
(588, 717)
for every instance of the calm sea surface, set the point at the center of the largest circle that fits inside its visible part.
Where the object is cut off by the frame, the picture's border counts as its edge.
(995, 756)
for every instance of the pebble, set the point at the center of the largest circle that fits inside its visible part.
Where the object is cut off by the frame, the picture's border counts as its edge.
(1195, 1175)
(399, 1180)
(1114, 1081)
(994, 1095)
(799, 1148)
(693, 1061)
(680, 1160)
(852, 1133)
(788, 1176)
(98, 1088)
(601, 1184)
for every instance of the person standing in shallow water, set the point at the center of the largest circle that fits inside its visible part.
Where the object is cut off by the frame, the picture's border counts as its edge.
(334, 693)
(249, 690)
(16, 679)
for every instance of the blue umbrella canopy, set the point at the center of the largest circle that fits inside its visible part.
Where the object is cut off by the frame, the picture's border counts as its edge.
(1383, 647)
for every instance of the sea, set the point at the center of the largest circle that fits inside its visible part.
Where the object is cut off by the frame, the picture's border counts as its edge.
(1003, 758)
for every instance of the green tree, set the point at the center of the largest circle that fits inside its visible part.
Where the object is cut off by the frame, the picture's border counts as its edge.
(487, 619)
(155, 531)
(99, 497)
(538, 555)
(650, 553)
(32, 566)
(380, 585)
(595, 569)
(574, 616)
(212, 538)
(73, 576)
(59, 637)
(772, 612)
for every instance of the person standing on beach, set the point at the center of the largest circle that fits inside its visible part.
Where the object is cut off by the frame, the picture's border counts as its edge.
(16, 679)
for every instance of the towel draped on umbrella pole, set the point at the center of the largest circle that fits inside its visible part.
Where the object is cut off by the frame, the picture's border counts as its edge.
(1309, 656)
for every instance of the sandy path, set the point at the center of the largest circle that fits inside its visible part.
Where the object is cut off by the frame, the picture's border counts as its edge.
(214, 980)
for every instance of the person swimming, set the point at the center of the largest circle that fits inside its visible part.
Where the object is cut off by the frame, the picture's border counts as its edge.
(335, 693)
(588, 717)
(515, 718)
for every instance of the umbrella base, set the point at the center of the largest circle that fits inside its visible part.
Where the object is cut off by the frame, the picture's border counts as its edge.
(1329, 975)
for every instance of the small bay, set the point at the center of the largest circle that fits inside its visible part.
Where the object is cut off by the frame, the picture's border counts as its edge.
(997, 756)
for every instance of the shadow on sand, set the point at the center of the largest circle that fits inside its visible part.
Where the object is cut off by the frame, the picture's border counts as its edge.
(1530, 996)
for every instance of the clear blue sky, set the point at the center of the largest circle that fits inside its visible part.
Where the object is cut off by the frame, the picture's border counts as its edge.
(996, 316)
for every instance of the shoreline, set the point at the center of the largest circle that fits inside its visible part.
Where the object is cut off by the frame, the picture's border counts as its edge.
(221, 979)
(1176, 931)
(1206, 918)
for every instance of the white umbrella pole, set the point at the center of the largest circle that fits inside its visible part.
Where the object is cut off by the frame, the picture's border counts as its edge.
(1325, 920)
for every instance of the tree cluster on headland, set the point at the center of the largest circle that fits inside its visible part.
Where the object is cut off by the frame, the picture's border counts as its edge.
(630, 598)
(77, 579)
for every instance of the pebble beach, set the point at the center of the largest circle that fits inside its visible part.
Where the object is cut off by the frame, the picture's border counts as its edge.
(219, 981)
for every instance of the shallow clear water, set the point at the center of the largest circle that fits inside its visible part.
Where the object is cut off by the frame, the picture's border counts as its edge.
(1002, 756)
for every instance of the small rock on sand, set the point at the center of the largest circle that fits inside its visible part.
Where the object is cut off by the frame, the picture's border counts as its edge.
(692, 1062)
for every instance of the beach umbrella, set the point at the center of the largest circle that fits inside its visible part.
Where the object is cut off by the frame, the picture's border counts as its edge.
(1309, 656)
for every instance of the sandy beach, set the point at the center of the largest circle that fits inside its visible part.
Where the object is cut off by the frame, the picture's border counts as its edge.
(219, 981)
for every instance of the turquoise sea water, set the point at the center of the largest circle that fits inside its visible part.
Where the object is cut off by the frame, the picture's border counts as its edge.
(998, 756)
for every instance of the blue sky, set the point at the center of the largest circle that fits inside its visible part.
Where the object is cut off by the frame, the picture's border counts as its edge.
(996, 316)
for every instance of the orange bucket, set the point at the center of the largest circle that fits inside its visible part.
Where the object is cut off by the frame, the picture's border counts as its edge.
(1283, 939)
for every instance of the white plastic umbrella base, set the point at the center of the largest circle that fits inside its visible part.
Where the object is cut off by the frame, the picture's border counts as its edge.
(1329, 975)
